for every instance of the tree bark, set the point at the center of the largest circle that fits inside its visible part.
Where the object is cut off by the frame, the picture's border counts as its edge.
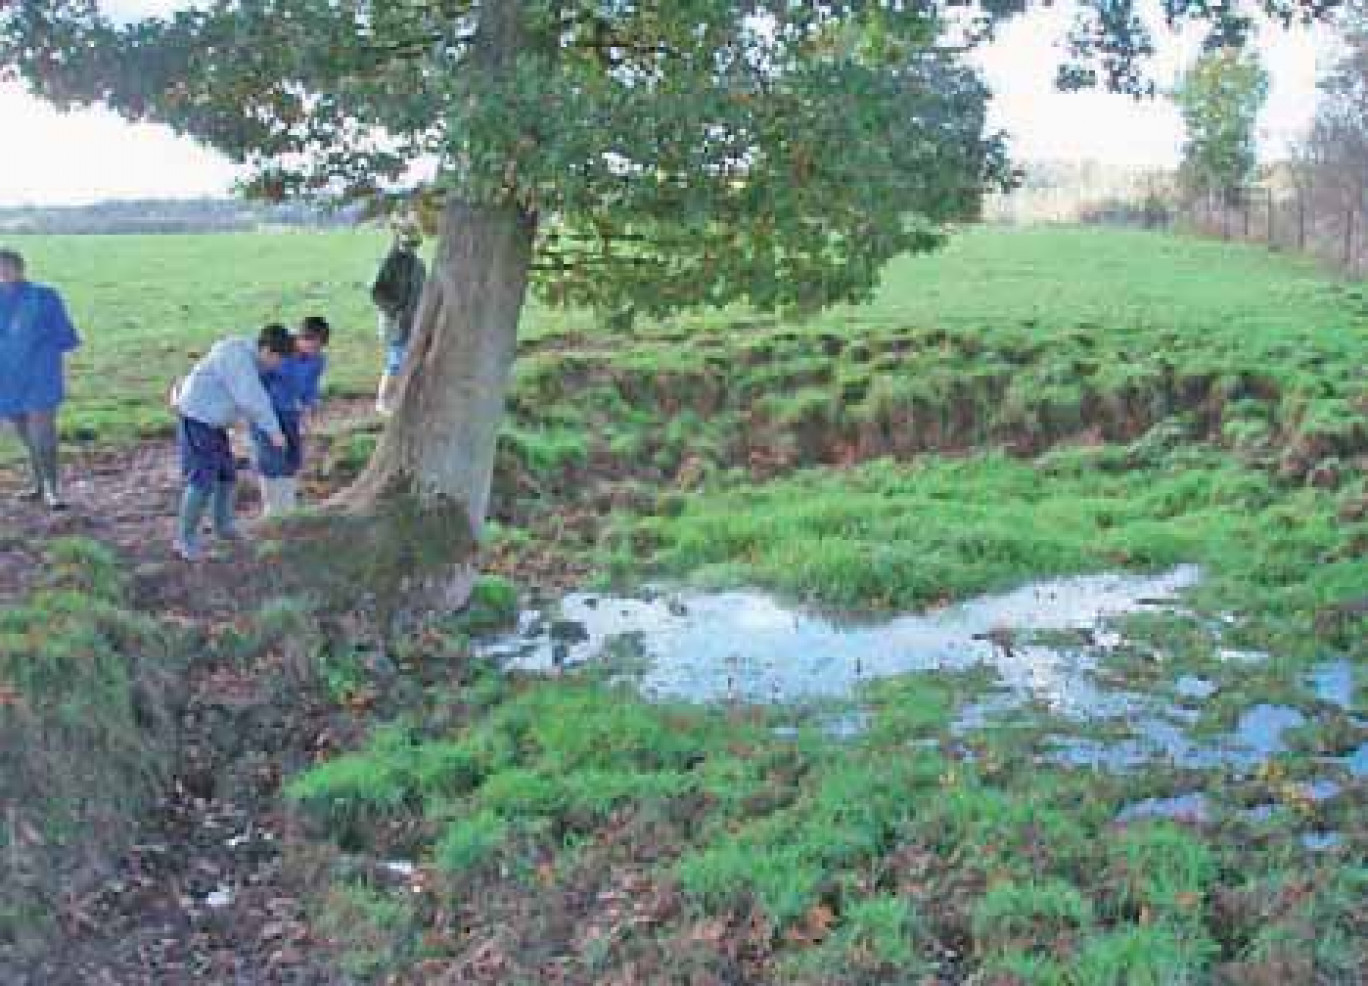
(421, 502)
(440, 442)
(438, 450)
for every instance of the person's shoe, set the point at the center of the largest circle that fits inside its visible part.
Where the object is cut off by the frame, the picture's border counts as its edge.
(230, 534)
(191, 553)
(30, 496)
(53, 499)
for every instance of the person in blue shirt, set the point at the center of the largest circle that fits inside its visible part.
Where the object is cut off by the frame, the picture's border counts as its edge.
(310, 363)
(35, 336)
(295, 389)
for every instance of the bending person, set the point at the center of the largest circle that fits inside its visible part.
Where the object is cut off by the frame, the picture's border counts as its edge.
(35, 336)
(397, 290)
(223, 388)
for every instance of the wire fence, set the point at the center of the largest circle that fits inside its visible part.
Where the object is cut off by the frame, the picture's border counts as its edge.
(1330, 224)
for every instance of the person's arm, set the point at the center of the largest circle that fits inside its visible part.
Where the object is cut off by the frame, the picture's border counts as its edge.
(243, 381)
(310, 392)
(61, 332)
(384, 289)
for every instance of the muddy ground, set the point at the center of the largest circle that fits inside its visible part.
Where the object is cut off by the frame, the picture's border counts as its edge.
(202, 896)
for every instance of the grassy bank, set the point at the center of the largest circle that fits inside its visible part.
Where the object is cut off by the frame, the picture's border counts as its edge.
(87, 732)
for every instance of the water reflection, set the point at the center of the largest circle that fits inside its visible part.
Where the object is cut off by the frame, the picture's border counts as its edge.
(746, 646)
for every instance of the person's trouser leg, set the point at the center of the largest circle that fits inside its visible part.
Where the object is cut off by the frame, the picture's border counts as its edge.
(273, 496)
(207, 465)
(267, 486)
(384, 395)
(264, 457)
(277, 468)
(194, 501)
(395, 354)
(225, 520)
(21, 429)
(42, 435)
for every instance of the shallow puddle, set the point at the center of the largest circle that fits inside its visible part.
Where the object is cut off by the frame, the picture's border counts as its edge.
(748, 647)
(1357, 761)
(1045, 642)
(1333, 682)
(1155, 739)
(1259, 733)
(1195, 807)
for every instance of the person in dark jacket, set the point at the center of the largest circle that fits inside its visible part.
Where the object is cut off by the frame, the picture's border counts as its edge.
(396, 292)
(35, 336)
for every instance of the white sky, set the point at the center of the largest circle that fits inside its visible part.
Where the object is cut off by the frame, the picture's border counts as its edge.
(1020, 68)
(90, 155)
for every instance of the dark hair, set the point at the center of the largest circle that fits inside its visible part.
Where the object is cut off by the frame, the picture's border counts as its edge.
(315, 327)
(12, 257)
(276, 339)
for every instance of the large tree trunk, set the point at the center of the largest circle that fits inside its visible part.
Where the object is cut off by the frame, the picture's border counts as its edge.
(404, 543)
(436, 458)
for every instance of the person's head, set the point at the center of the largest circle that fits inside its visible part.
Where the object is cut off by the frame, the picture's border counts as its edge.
(274, 344)
(314, 333)
(11, 267)
(407, 232)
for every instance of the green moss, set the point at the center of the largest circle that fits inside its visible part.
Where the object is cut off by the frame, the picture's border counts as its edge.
(471, 842)
(1163, 870)
(1151, 955)
(86, 729)
(372, 929)
(1036, 914)
(493, 605)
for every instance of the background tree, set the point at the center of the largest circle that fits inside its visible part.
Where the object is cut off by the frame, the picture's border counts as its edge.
(1333, 159)
(1220, 98)
(653, 155)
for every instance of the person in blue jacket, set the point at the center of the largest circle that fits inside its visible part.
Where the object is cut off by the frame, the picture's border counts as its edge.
(310, 363)
(35, 336)
(294, 388)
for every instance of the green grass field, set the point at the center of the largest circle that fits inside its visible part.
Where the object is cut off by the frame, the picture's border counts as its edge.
(148, 305)
(1026, 403)
(1088, 306)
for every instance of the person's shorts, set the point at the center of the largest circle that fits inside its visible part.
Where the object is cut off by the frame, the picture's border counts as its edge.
(394, 357)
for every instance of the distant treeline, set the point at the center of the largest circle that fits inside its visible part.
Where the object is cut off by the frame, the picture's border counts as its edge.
(173, 216)
(1084, 191)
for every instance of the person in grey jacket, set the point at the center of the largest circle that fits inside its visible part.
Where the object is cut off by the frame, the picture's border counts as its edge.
(396, 292)
(224, 387)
